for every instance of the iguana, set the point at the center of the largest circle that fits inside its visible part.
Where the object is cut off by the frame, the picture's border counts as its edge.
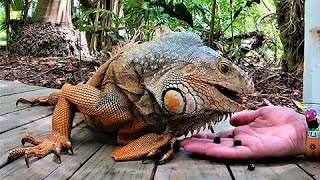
(149, 94)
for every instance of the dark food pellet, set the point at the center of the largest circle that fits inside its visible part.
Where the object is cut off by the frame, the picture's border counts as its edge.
(251, 166)
(237, 143)
(217, 140)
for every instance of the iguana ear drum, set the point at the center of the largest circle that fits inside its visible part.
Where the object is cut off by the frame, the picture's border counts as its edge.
(173, 101)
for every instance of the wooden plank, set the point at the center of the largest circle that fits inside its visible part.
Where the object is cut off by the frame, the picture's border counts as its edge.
(183, 166)
(8, 103)
(131, 170)
(85, 143)
(311, 167)
(18, 118)
(277, 170)
(12, 139)
(8, 88)
(97, 166)
(102, 166)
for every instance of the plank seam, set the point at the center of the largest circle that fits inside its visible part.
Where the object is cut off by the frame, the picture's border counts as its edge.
(154, 170)
(311, 175)
(23, 91)
(15, 110)
(25, 123)
(230, 171)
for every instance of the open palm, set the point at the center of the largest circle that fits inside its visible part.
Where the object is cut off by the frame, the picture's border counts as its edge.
(270, 131)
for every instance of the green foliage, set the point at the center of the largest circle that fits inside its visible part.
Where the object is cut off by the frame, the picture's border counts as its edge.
(233, 18)
(83, 24)
(2, 26)
(2, 19)
(17, 5)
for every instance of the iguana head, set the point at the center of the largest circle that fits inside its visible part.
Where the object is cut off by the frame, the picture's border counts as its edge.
(198, 81)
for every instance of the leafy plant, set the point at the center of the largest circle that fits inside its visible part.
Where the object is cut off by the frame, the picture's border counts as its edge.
(17, 5)
(83, 23)
(2, 19)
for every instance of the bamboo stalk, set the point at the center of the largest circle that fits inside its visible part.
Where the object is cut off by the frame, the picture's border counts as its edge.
(213, 12)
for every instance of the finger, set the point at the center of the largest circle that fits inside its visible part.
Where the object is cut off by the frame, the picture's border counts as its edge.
(219, 151)
(227, 142)
(222, 134)
(191, 140)
(243, 118)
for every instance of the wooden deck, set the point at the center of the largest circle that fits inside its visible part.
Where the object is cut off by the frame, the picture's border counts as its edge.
(92, 150)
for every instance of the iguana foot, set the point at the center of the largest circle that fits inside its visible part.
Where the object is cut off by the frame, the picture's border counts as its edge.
(54, 142)
(147, 146)
(50, 100)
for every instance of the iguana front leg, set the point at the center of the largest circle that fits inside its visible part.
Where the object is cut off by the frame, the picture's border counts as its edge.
(55, 141)
(110, 106)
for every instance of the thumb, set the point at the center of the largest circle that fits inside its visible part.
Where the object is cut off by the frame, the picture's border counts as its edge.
(243, 118)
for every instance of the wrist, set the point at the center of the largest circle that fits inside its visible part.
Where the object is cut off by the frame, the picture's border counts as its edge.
(304, 134)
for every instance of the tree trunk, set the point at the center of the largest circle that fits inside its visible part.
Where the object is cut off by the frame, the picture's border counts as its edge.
(53, 11)
(8, 24)
(50, 33)
(291, 25)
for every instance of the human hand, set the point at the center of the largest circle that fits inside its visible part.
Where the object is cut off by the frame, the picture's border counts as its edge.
(270, 131)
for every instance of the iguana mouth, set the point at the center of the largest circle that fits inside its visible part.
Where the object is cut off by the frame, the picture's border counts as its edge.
(233, 95)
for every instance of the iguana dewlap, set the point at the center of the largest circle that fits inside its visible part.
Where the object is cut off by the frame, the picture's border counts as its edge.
(148, 94)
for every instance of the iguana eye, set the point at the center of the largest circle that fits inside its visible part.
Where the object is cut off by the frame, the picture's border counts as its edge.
(224, 68)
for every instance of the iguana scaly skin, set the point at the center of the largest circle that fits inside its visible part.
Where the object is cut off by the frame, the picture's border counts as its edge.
(149, 94)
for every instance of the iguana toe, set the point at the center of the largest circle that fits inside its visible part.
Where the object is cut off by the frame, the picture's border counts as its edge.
(30, 139)
(16, 153)
(153, 153)
(168, 155)
(36, 101)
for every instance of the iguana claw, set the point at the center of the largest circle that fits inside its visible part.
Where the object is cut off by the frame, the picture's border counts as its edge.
(22, 142)
(26, 158)
(52, 143)
(71, 150)
(168, 155)
(57, 151)
(151, 154)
